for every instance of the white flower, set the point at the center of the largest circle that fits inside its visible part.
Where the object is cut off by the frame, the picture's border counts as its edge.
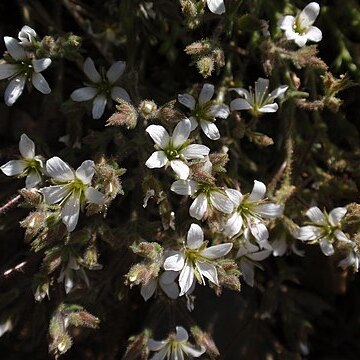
(195, 260)
(167, 284)
(174, 150)
(216, 6)
(205, 111)
(259, 101)
(300, 28)
(250, 212)
(249, 255)
(280, 246)
(72, 190)
(29, 165)
(324, 229)
(174, 347)
(21, 68)
(72, 274)
(102, 88)
(352, 258)
(206, 196)
(27, 35)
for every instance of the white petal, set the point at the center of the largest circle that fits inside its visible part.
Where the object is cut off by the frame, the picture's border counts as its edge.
(161, 354)
(316, 215)
(195, 237)
(193, 122)
(41, 64)
(278, 91)
(14, 90)
(314, 34)
(90, 71)
(208, 270)
(27, 34)
(99, 106)
(180, 168)
(261, 88)
(184, 187)
(186, 278)
(118, 92)
(242, 92)
(233, 225)
(307, 233)
(221, 202)
(16, 51)
(115, 71)
(14, 167)
(260, 233)
(247, 271)
(240, 104)
(85, 171)
(147, 290)
(26, 147)
(32, 179)
(175, 261)
(195, 151)
(286, 22)
(83, 94)
(217, 251)
(309, 14)
(219, 111)
(206, 93)
(210, 130)
(270, 210)
(336, 215)
(187, 100)
(279, 246)
(156, 345)
(70, 212)
(199, 207)
(192, 351)
(260, 255)
(94, 196)
(40, 83)
(326, 247)
(59, 170)
(258, 191)
(342, 237)
(168, 285)
(181, 133)
(235, 196)
(7, 70)
(216, 6)
(269, 108)
(157, 160)
(55, 194)
(300, 40)
(159, 135)
(181, 334)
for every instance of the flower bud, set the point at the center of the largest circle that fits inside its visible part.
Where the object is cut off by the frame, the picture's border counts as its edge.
(147, 109)
(205, 66)
(126, 116)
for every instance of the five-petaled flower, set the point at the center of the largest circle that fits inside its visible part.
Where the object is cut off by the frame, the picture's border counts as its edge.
(250, 212)
(174, 347)
(300, 28)
(73, 189)
(259, 101)
(19, 68)
(174, 150)
(101, 88)
(206, 196)
(324, 229)
(29, 165)
(205, 111)
(195, 260)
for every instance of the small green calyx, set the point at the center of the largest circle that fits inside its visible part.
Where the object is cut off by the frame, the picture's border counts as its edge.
(172, 154)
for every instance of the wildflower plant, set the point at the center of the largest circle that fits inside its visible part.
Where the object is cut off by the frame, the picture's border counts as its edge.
(115, 224)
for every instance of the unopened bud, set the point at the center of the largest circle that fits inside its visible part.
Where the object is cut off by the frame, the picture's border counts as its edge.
(219, 57)
(147, 109)
(205, 66)
(198, 47)
(126, 116)
(188, 8)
